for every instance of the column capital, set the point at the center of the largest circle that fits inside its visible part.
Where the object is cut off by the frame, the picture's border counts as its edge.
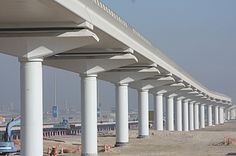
(161, 92)
(24, 59)
(172, 95)
(143, 90)
(122, 84)
(88, 75)
(187, 100)
(180, 98)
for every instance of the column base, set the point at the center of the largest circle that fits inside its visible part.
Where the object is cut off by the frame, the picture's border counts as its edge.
(89, 154)
(142, 136)
(120, 144)
(170, 130)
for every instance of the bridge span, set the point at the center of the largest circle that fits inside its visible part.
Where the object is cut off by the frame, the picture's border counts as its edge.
(88, 38)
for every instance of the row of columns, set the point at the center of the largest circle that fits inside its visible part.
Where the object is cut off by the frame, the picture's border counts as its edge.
(32, 114)
(187, 114)
(32, 123)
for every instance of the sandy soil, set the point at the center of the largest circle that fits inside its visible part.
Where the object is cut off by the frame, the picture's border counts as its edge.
(205, 142)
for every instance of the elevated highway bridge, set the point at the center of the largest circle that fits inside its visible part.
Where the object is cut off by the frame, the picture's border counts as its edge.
(88, 38)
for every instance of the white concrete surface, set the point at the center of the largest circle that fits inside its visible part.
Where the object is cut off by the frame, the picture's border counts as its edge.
(179, 114)
(221, 115)
(185, 115)
(202, 115)
(209, 113)
(158, 112)
(191, 116)
(89, 114)
(122, 129)
(31, 107)
(170, 113)
(216, 111)
(196, 115)
(143, 121)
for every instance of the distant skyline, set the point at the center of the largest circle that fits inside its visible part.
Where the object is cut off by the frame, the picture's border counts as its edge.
(198, 35)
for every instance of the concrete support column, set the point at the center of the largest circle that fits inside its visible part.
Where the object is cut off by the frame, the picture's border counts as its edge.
(191, 117)
(202, 115)
(221, 115)
(143, 125)
(179, 122)
(185, 115)
(158, 112)
(196, 116)
(170, 113)
(209, 113)
(228, 114)
(31, 107)
(232, 114)
(89, 114)
(122, 125)
(224, 115)
(216, 115)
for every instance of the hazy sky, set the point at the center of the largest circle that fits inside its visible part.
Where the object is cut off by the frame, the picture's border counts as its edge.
(200, 35)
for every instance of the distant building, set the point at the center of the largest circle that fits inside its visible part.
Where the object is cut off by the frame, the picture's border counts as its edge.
(55, 111)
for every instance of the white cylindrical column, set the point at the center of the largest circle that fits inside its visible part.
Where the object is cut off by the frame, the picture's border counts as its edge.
(216, 115)
(209, 112)
(232, 114)
(223, 115)
(143, 125)
(196, 115)
(89, 114)
(122, 127)
(221, 111)
(191, 117)
(170, 113)
(185, 115)
(158, 112)
(31, 107)
(228, 114)
(179, 114)
(202, 115)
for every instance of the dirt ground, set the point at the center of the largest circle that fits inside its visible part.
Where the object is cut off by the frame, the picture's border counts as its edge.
(204, 142)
